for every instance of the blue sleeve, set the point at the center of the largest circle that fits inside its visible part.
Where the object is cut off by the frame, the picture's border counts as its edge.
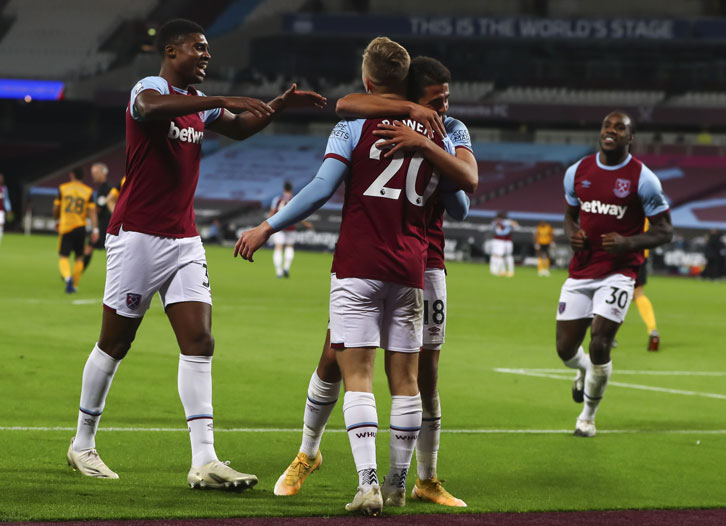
(6, 198)
(458, 133)
(343, 139)
(155, 83)
(456, 204)
(210, 115)
(331, 173)
(651, 193)
(569, 183)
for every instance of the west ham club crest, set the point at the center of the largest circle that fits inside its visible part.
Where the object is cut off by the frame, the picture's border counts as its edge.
(133, 300)
(622, 187)
(561, 307)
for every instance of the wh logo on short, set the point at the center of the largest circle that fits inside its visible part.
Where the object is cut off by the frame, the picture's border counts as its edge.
(187, 134)
(133, 301)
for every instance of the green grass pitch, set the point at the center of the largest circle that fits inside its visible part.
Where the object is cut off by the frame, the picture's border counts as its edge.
(661, 440)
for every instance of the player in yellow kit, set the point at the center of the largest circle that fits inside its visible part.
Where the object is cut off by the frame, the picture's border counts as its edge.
(645, 307)
(71, 209)
(543, 238)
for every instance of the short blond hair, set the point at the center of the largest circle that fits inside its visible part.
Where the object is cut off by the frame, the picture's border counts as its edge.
(385, 62)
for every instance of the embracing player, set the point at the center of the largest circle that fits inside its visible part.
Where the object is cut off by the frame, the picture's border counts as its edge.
(609, 194)
(377, 300)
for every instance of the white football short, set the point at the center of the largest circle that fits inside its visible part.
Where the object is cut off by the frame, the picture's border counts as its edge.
(283, 237)
(434, 311)
(140, 265)
(608, 297)
(373, 313)
(2, 217)
(502, 247)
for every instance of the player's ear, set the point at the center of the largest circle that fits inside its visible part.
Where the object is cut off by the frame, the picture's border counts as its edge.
(169, 51)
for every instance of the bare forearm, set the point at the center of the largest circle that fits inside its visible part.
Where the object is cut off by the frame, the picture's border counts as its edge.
(456, 170)
(652, 238)
(572, 224)
(165, 106)
(370, 106)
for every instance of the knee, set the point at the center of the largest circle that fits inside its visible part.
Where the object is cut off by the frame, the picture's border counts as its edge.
(115, 349)
(201, 344)
(565, 348)
(600, 345)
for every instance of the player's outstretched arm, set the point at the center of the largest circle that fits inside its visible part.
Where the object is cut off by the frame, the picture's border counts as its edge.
(93, 215)
(577, 236)
(367, 106)
(331, 173)
(150, 104)
(246, 124)
(660, 232)
(461, 168)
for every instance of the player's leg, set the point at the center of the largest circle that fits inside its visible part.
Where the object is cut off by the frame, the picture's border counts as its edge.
(645, 308)
(187, 299)
(540, 261)
(87, 254)
(509, 258)
(323, 392)
(79, 245)
(65, 247)
(610, 305)
(402, 337)
(361, 422)
(117, 333)
(356, 309)
(289, 254)
(2, 224)
(574, 314)
(278, 240)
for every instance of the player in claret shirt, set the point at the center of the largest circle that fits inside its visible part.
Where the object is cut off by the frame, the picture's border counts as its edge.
(153, 245)
(609, 194)
(376, 296)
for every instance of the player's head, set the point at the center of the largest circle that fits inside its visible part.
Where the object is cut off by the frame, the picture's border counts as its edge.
(182, 44)
(385, 66)
(502, 214)
(287, 187)
(76, 174)
(99, 171)
(428, 83)
(616, 133)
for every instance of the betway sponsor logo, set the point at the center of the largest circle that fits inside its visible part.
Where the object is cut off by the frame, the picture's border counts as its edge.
(598, 207)
(188, 134)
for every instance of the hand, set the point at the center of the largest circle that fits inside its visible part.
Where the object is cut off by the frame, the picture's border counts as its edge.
(251, 240)
(241, 104)
(614, 242)
(294, 98)
(578, 240)
(429, 118)
(94, 235)
(399, 136)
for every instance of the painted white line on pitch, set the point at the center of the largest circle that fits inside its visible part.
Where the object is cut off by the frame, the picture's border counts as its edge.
(453, 431)
(626, 371)
(530, 372)
(86, 302)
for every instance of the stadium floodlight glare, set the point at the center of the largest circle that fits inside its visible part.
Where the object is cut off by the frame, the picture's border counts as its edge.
(28, 90)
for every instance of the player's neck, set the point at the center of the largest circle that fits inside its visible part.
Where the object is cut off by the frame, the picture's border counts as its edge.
(613, 158)
(173, 78)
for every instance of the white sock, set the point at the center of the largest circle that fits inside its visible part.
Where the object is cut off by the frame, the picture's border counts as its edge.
(510, 264)
(320, 403)
(1, 233)
(405, 426)
(277, 261)
(494, 265)
(427, 445)
(195, 392)
(289, 255)
(580, 361)
(361, 421)
(97, 377)
(596, 381)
